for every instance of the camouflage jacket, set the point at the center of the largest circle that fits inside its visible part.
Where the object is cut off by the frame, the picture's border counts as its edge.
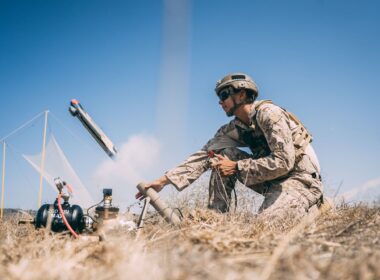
(273, 138)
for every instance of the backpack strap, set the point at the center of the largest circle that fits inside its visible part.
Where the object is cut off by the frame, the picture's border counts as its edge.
(262, 102)
(301, 137)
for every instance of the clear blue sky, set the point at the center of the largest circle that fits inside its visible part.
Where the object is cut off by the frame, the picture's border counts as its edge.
(319, 59)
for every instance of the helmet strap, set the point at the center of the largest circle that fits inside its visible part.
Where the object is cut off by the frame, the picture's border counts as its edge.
(231, 112)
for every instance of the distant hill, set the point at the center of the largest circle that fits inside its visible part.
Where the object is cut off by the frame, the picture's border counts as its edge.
(10, 211)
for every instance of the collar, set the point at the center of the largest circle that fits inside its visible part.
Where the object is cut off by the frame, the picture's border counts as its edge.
(253, 111)
(252, 114)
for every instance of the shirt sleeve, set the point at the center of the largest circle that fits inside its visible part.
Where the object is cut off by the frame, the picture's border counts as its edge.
(273, 121)
(190, 170)
(196, 164)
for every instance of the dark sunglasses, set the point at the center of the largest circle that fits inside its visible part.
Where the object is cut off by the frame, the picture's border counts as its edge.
(224, 93)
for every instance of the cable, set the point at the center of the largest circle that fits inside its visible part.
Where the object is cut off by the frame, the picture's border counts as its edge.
(22, 126)
(88, 209)
(64, 218)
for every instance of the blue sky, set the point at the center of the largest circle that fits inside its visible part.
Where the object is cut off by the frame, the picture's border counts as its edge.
(149, 68)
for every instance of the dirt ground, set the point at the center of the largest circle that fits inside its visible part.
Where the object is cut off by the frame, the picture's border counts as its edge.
(340, 244)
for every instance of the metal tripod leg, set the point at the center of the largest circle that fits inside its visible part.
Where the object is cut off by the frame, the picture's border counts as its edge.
(140, 222)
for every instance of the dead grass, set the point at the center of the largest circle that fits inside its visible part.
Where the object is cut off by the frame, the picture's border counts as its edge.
(343, 244)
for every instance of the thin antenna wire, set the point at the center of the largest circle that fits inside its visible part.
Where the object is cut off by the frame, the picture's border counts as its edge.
(22, 126)
(3, 181)
(43, 159)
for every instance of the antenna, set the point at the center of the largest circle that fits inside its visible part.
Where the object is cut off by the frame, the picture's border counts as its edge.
(43, 159)
(3, 182)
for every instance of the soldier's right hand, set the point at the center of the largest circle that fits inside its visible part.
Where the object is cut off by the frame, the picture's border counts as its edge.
(157, 185)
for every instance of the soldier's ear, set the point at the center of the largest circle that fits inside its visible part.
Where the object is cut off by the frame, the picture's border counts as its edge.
(243, 94)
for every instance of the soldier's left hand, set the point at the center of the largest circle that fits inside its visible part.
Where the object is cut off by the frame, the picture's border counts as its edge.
(226, 166)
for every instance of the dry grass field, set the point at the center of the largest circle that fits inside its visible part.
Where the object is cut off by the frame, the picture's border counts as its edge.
(339, 244)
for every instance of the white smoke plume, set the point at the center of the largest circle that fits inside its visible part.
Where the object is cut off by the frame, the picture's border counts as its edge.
(174, 75)
(367, 192)
(137, 160)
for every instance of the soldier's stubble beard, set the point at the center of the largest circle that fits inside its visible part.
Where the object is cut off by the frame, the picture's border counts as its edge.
(231, 112)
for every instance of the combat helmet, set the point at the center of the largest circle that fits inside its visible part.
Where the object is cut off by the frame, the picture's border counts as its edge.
(238, 81)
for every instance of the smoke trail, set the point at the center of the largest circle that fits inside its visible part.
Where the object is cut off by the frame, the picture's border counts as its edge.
(144, 157)
(172, 99)
(137, 160)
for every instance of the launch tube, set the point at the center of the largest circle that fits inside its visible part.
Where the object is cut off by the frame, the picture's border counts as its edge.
(162, 208)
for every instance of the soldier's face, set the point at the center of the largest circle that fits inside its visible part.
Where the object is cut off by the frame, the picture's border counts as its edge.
(230, 104)
(227, 105)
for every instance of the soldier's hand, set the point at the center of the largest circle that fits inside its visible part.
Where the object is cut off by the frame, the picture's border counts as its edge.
(157, 184)
(226, 166)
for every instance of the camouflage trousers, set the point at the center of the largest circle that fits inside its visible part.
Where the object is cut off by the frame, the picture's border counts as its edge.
(283, 198)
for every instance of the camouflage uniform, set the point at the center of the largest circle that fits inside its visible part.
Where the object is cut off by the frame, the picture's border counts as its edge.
(282, 166)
